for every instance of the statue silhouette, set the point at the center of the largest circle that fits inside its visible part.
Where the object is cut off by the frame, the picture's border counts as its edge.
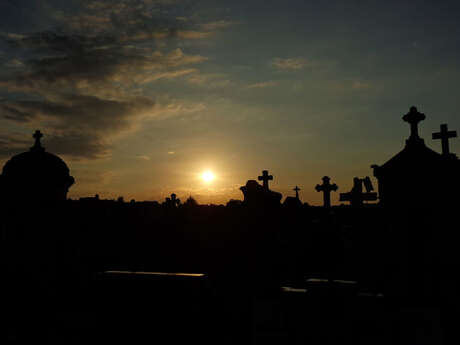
(356, 196)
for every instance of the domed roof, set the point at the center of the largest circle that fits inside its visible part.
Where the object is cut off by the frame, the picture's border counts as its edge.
(37, 171)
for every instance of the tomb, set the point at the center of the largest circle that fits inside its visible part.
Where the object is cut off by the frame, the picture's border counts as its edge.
(418, 176)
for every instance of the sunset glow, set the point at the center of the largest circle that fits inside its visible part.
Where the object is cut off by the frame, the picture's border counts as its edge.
(208, 176)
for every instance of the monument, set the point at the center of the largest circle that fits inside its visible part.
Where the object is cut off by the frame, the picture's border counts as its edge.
(417, 176)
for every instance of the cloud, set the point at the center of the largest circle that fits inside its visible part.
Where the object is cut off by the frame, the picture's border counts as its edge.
(85, 66)
(218, 25)
(14, 63)
(79, 126)
(262, 85)
(209, 80)
(290, 63)
(83, 83)
(13, 144)
(190, 34)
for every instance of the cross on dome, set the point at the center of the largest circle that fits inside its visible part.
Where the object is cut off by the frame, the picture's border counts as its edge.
(37, 145)
(413, 117)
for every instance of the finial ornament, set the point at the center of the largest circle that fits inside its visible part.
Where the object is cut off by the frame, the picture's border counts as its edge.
(413, 117)
(37, 146)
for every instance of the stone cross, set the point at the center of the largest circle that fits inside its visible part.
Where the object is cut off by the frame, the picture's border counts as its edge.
(296, 189)
(326, 188)
(265, 178)
(445, 135)
(37, 136)
(413, 117)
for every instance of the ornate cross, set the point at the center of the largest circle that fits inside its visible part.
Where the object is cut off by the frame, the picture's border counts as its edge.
(326, 188)
(445, 135)
(413, 117)
(296, 189)
(265, 178)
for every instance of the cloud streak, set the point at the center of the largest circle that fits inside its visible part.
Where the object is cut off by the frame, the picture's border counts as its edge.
(290, 63)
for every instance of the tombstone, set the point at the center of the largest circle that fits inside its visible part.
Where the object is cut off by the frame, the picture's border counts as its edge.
(444, 135)
(356, 196)
(265, 178)
(257, 196)
(326, 188)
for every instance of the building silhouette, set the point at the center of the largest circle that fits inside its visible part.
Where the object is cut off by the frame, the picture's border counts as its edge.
(418, 176)
(35, 176)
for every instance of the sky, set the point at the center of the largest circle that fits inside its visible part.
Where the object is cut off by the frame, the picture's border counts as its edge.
(140, 97)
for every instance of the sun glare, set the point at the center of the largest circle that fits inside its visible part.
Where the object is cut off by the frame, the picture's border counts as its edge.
(208, 176)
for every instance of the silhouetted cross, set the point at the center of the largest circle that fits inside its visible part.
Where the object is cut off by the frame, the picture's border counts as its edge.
(445, 135)
(265, 178)
(413, 117)
(326, 188)
(37, 136)
(296, 192)
(174, 201)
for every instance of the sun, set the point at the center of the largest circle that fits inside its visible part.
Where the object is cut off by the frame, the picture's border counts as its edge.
(208, 176)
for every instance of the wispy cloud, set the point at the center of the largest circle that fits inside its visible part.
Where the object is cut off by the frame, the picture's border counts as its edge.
(209, 80)
(85, 81)
(218, 25)
(262, 85)
(290, 63)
